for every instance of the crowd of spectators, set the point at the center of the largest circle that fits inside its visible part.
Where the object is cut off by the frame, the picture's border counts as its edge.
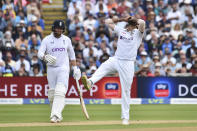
(21, 32)
(169, 46)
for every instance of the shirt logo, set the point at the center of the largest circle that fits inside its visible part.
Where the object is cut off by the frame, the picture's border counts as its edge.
(124, 38)
(58, 49)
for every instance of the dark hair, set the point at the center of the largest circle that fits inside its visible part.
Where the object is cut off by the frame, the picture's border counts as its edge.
(133, 22)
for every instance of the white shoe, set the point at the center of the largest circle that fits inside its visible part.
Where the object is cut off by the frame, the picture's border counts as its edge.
(125, 122)
(55, 119)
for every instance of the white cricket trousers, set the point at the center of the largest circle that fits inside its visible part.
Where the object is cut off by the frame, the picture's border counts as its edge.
(56, 76)
(125, 69)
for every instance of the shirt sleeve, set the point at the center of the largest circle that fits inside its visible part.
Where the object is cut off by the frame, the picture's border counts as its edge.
(117, 29)
(139, 36)
(71, 52)
(42, 49)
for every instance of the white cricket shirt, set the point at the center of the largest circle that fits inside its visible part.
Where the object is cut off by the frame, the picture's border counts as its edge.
(61, 48)
(128, 43)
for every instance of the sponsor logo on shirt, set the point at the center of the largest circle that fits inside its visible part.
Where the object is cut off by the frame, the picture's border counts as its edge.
(125, 38)
(58, 49)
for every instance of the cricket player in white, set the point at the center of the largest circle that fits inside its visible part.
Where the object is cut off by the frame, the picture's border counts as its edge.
(129, 40)
(56, 49)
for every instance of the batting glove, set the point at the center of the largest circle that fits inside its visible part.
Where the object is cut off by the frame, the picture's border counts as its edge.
(50, 59)
(76, 73)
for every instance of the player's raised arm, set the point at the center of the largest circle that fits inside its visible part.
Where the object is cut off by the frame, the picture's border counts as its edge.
(111, 22)
(141, 25)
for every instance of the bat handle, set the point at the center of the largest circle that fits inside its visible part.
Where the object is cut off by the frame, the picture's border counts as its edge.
(78, 87)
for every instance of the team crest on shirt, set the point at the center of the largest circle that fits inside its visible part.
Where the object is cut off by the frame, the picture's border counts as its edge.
(52, 42)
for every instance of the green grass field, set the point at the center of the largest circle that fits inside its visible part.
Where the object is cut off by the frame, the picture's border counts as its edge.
(105, 114)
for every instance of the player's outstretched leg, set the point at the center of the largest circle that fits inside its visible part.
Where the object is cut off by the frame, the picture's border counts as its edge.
(87, 83)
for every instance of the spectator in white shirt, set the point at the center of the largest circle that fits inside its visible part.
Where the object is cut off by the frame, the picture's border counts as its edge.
(174, 15)
(22, 61)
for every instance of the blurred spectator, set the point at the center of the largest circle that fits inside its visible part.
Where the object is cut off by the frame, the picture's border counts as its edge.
(176, 31)
(167, 46)
(144, 59)
(36, 61)
(89, 22)
(105, 56)
(159, 71)
(103, 49)
(161, 7)
(186, 44)
(9, 19)
(20, 5)
(89, 51)
(36, 71)
(187, 6)
(101, 6)
(102, 37)
(81, 65)
(112, 4)
(144, 71)
(2, 64)
(33, 30)
(191, 50)
(7, 71)
(122, 7)
(2, 21)
(75, 24)
(91, 66)
(74, 6)
(183, 65)
(10, 11)
(34, 24)
(168, 57)
(10, 61)
(21, 18)
(32, 9)
(7, 3)
(8, 39)
(21, 41)
(34, 42)
(174, 15)
(22, 64)
(21, 71)
(194, 69)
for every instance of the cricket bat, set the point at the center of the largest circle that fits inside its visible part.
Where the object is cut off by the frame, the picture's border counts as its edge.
(82, 101)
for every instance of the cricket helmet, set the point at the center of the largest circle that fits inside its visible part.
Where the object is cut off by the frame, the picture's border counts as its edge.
(58, 24)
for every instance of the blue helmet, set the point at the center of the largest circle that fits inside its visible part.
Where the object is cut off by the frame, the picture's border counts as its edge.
(58, 24)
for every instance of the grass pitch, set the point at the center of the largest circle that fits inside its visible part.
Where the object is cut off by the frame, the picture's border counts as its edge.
(102, 118)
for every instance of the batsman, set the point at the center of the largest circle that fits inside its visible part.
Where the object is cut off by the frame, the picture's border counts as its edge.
(129, 40)
(57, 51)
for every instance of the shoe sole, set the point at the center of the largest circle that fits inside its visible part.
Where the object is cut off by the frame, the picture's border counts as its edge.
(53, 121)
(84, 81)
(58, 121)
